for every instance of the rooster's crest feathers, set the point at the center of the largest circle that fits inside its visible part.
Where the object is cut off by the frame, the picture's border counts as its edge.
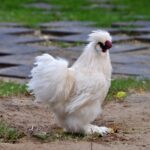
(99, 36)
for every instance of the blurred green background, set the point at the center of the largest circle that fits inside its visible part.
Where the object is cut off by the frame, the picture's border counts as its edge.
(124, 10)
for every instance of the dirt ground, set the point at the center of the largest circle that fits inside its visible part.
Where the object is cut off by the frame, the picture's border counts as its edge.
(131, 118)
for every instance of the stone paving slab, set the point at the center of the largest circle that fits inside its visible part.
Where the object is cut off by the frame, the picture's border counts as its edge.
(59, 32)
(145, 37)
(69, 30)
(132, 69)
(76, 48)
(144, 30)
(127, 59)
(38, 5)
(104, 6)
(29, 39)
(15, 31)
(82, 38)
(76, 30)
(8, 39)
(24, 49)
(135, 24)
(17, 71)
(18, 59)
(10, 24)
(41, 5)
(117, 48)
(65, 24)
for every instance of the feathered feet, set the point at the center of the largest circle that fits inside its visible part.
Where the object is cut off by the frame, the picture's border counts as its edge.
(90, 129)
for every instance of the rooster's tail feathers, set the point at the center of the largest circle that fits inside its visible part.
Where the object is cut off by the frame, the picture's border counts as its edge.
(50, 78)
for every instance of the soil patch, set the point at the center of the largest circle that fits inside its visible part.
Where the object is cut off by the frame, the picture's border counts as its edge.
(130, 118)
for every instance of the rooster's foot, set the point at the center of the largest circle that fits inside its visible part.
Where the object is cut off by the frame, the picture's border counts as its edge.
(90, 129)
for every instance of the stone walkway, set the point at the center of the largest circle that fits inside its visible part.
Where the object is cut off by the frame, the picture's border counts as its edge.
(19, 45)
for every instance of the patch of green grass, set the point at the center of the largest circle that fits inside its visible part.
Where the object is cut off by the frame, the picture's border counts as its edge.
(72, 10)
(13, 11)
(135, 8)
(127, 85)
(60, 135)
(9, 134)
(12, 89)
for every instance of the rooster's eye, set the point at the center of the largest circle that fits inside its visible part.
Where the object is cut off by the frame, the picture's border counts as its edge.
(101, 45)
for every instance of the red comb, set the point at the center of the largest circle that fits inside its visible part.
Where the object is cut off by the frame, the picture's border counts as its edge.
(108, 44)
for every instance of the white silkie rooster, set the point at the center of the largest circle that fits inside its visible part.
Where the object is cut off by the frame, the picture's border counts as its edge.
(76, 94)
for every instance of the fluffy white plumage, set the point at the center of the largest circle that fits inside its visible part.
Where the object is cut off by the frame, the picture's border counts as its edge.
(75, 94)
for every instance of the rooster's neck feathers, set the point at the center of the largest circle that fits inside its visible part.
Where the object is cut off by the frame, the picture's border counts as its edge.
(93, 60)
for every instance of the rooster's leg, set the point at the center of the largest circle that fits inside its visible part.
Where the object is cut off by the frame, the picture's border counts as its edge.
(90, 129)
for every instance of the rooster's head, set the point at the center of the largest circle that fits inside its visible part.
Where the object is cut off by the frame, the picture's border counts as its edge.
(101, 39)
